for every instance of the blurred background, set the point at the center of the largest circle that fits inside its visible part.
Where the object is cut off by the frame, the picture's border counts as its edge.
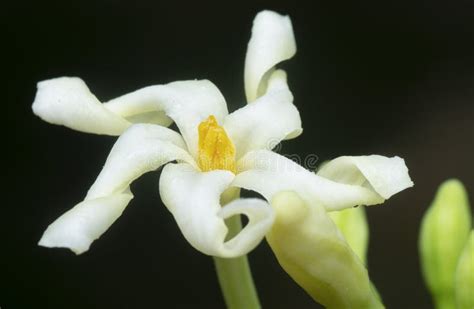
(370, 77)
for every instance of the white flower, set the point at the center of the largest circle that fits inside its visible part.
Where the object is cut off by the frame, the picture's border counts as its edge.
(215, 151)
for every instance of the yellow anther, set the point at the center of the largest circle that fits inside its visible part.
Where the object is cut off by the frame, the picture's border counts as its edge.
(216, 151)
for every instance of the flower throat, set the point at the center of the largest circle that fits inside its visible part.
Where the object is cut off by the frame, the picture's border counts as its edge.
(216, 150)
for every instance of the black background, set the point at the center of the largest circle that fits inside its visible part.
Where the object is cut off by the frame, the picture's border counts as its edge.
(385, 77)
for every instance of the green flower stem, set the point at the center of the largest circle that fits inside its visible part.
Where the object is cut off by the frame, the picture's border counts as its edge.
(235, 277)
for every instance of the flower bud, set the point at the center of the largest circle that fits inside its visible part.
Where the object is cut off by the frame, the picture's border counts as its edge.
(464, 281)
(444, 232)
(352, 223)
(313, 252)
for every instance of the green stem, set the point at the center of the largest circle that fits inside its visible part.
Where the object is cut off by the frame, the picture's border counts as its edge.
(235, 277)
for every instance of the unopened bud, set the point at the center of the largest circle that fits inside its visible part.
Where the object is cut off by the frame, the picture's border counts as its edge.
(444, 232)
(352, 223)
(313, 252)
(464, 283)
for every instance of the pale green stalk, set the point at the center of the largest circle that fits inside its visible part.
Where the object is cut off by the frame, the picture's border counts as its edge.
(235, 277)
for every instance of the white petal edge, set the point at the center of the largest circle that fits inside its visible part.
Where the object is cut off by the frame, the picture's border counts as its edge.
(188, 103)
(268, 173)
(142, 148)
(266, 123)
(387, 176)
(67, 101)
(194, 200)
(87, 221)
(272, 42)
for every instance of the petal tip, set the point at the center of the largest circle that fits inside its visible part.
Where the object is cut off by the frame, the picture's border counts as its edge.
(49, 240)
(272, 41)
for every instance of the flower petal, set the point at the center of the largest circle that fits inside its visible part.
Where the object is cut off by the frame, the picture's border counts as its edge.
(194, 200)
(387, 176)
(142, 148)
(84, 223)
(272, 42)
(188, 103)
(264, 124)
(67, 101)
(268, 173)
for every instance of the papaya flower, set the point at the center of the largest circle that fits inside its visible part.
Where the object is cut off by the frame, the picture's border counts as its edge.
(215, 152)
(209, 144)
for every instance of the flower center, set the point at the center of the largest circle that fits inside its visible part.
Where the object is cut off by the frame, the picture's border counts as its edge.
(216, 151)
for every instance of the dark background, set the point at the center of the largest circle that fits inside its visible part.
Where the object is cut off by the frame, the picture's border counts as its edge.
(384, 77)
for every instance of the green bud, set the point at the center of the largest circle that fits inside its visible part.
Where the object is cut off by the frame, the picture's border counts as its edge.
(310, 248)
(444, 232)
(464, 281)
(352, 223)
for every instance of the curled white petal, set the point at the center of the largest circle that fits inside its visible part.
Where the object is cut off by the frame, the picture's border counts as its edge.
(264, 124)
(194, 200)
(268, 173)
(272, 42)
(153, 117)
(387, 176)
(260, 216)
(67, 101)
(142, 148)
(87, 221)
(188, 103)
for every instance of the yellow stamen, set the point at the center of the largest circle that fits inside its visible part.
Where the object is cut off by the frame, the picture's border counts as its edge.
(216, 151)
